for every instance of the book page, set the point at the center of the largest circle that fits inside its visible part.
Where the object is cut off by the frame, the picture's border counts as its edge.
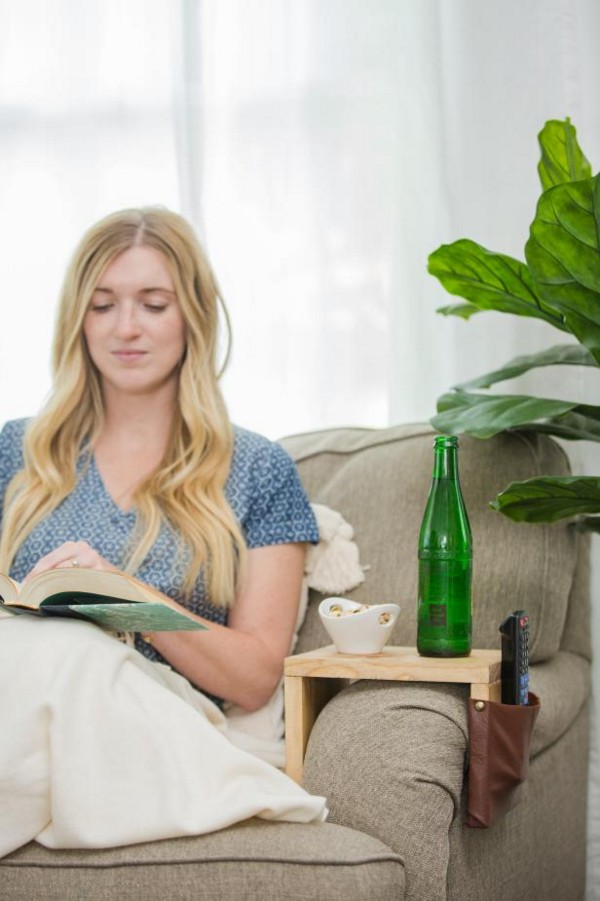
(9, 589)
(80, 580)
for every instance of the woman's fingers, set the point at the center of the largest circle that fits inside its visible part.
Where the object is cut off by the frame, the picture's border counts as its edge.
(71, 553)
(59, 556)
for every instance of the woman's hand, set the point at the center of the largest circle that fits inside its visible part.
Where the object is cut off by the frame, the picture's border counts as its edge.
(242, 661)
(71, 553)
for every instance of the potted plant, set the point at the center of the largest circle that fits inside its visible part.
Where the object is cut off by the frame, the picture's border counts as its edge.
(559, 282)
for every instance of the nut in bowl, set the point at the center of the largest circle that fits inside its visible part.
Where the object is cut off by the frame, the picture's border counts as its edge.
(358, 628)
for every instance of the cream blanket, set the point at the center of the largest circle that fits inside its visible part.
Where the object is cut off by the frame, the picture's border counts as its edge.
(100, 747)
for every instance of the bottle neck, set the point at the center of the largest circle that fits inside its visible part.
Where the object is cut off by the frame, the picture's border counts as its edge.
(445, 463)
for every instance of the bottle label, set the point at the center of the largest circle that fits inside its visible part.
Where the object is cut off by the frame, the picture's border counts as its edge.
(444, 606)
(438, 615)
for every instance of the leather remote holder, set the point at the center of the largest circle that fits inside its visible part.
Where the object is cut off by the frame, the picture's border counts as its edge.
(499, 741)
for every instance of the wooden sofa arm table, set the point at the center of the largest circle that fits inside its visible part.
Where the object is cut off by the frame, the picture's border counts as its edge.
(313, 678)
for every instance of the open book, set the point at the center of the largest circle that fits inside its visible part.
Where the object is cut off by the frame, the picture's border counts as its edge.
(111, 599)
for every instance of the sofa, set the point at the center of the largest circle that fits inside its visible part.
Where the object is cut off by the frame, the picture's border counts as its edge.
(391, 757)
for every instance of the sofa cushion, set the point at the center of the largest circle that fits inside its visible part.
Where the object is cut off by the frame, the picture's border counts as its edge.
(252, 860)
(378, 479)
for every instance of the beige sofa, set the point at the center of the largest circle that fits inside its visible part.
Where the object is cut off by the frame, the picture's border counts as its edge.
(390, 757)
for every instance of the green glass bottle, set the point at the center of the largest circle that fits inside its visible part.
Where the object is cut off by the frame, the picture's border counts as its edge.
(445, 561)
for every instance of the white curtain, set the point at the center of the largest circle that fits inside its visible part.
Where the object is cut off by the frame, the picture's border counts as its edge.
(342, 142)
(323, 148)
(86, 127)
(296, 204)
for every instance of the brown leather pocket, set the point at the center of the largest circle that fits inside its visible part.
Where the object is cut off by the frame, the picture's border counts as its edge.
(499, 741)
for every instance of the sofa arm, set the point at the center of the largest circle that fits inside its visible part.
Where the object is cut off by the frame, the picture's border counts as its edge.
(390, 758)
(563, 685)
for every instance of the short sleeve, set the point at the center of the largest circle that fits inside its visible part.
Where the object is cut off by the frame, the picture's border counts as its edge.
(279, 511)
(11, 454)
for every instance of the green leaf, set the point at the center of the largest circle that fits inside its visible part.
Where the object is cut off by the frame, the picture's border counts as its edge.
(580, 424)
(548, 499)
(563, 254)
(489, 281)
(484, 415)
(588, 524)
(559, 355)
(464, 310)
(562, 159)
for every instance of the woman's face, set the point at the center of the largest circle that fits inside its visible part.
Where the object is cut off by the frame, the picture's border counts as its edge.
(134, 328)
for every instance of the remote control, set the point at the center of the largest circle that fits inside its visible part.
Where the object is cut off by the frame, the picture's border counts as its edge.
(515, 658)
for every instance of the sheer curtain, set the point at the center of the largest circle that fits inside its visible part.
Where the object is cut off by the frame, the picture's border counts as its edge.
(295, 204)
(323, 148)
(86, 127)
(342, 142)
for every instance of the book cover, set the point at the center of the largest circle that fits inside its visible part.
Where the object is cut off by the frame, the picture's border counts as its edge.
(110, 599)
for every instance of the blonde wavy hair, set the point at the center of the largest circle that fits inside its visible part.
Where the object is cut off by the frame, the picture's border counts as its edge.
(186, 491)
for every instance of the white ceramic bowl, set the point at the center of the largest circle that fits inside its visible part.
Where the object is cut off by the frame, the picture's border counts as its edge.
(357, 628)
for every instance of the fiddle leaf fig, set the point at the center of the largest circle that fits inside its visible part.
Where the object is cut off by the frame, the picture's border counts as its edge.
(559, 355)
(548, 498)
(489, 281)
(563, 255)
(463, 310)
(582, 423)
(483, 415)
(562, 159)
(588, 524)
(559, 284)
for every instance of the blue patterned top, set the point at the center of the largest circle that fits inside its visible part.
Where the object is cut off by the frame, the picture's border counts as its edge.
(263, 489)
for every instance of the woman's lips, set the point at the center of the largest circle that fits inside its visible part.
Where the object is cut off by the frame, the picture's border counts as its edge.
(129, 356)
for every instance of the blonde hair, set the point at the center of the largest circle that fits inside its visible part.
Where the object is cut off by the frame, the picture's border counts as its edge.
(186, 491)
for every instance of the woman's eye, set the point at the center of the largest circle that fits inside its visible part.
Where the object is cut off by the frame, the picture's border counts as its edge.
(155, 307)
(100, 307)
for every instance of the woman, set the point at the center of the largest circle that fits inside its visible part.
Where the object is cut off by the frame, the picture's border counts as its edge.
(134, 464)
(136, 433)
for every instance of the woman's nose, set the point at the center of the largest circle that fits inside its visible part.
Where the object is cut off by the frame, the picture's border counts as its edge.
(127, 325)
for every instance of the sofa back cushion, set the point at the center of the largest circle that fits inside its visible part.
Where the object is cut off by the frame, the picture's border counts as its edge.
(378, 479)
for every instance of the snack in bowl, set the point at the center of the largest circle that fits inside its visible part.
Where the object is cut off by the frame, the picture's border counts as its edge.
(357, 628)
